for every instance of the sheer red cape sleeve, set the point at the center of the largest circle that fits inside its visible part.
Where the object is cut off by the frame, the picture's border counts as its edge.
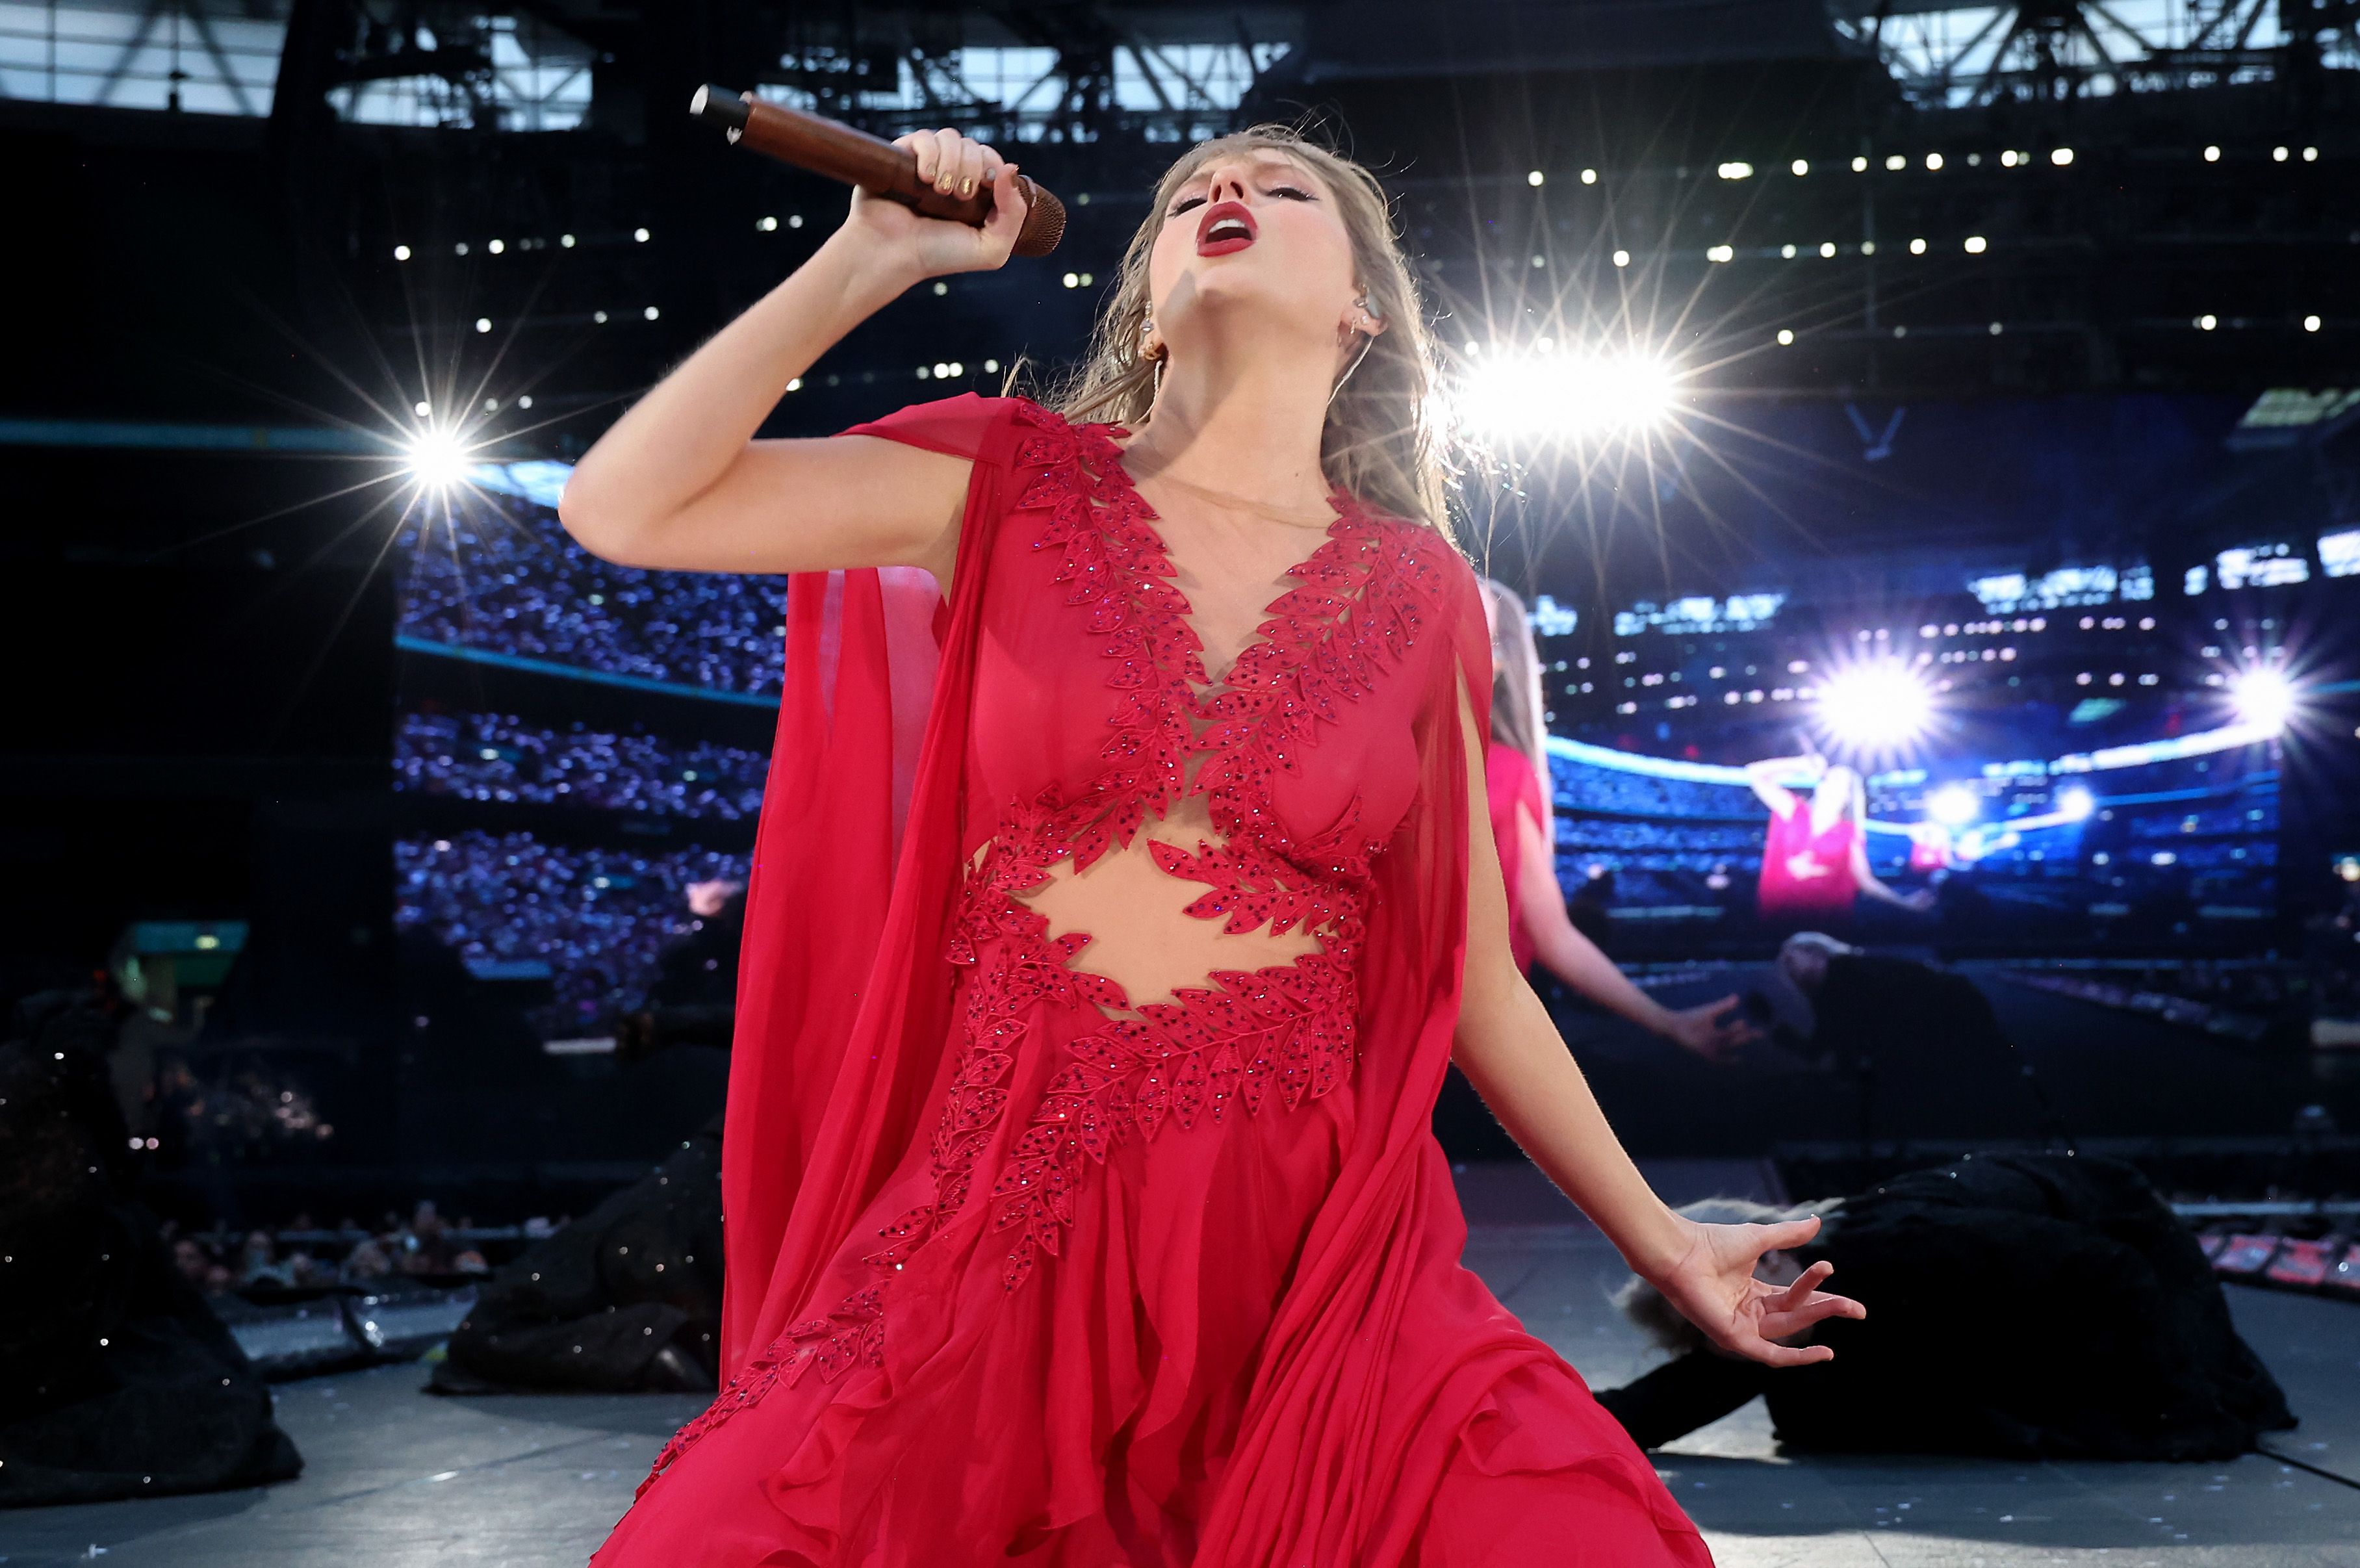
(1386, 1361)
(845, 908)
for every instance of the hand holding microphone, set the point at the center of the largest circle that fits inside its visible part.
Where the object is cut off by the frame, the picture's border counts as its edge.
(936, 175)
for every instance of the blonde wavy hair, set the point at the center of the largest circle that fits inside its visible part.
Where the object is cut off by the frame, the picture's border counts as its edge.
(1381, 443)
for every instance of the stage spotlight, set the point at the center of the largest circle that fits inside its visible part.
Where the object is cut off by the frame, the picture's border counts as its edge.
(2263, 698)
(2075, 805)
(437, 459)
(1571, 394)
(1875, 707)
(1953, 805)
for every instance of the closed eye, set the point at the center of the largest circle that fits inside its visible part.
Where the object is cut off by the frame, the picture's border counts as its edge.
(1293, 193)
(1183, 204)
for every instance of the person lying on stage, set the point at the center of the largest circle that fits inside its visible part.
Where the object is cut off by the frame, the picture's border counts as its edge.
(2133, 1355)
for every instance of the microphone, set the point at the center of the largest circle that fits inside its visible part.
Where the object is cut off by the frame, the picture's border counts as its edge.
(876, 166)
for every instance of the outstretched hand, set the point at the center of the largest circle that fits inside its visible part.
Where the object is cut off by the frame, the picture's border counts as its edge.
(1715, 1030)
(1712, 1285)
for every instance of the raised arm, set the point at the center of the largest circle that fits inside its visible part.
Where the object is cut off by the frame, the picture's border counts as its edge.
(680, 483)
(1575, 959)
(1509, 1049)
(1765, 776)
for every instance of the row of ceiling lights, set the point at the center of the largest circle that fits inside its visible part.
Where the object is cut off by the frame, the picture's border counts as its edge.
(501, 246)
(1894, 162)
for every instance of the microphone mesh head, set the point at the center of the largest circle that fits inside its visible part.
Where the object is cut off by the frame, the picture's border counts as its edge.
(1045, 221)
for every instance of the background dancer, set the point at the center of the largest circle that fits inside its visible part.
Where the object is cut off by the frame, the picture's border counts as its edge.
(1515, 765)
(1140, 1183)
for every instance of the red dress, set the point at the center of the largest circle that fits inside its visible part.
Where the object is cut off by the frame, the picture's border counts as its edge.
(1509, 783)
(1024, 1267)
(1805, 875)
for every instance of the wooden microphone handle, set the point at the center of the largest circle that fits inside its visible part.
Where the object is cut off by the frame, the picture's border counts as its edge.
(876, 166)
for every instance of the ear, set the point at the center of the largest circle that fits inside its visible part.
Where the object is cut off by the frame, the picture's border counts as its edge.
(1363, 317)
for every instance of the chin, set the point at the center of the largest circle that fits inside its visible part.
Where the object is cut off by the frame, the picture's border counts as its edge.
(1254, 297)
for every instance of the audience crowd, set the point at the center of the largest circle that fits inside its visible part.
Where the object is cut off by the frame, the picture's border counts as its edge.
(509, 580)
(1582, 787)
(596, 917)
(488, 756)
(300, 1256)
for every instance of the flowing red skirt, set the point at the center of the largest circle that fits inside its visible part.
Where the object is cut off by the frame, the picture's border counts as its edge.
(1083, 1417)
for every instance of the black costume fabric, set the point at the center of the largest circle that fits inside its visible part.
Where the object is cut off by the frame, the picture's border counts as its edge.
(629, 1297)
(1926, 1049)
(2110, 1339)
(116, 1380)
(693, 998)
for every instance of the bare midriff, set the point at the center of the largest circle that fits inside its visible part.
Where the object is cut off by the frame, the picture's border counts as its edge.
(1134, 914)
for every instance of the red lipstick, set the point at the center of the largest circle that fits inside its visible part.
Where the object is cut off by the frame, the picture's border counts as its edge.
(1225, 226)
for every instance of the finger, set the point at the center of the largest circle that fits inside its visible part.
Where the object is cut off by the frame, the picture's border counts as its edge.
(1789, 1354)
(1789, 1233)
(947, 160)
(924, 145)
(1829, 1305)
(1783, 1326)
(1008, 207)
(1795, 1295)
(971, 168)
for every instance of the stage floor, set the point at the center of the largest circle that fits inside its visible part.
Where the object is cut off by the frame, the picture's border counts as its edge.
(396, 1477)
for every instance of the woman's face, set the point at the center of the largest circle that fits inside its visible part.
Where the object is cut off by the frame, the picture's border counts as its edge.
(1252, 239)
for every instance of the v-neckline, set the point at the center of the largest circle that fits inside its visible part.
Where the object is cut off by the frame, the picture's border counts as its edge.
(1338, 499)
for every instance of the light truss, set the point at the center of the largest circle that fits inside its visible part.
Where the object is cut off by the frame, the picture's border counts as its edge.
(1952, 56)
(221, 57)
(1161, 91)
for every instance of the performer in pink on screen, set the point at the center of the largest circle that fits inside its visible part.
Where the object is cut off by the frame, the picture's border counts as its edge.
(1082, 1204)
(1815, 861)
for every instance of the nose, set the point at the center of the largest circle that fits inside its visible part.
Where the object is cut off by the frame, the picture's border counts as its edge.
(1228, 183)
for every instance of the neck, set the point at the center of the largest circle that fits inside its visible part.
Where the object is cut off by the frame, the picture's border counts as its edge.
(1241, 418)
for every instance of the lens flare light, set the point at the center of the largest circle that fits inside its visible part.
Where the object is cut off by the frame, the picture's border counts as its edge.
(1535, 393)
(1875, 707)
(1953, 805)
(437, 459)
(2263, 698)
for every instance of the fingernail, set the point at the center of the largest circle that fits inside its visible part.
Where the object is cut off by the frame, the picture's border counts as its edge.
(966, 187)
